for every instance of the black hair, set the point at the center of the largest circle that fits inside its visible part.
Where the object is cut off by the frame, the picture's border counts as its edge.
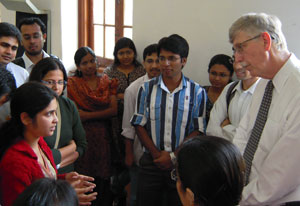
(213, 169)
(174, 43)
(32, 98)
(44, 66)
(9, 30)
(125, 42)
(80, 53)
(32, 20)
(7, 82)
(149, 50)
(222, 59)
(48, 192)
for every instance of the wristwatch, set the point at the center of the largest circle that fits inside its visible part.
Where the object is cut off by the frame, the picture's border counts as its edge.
(173, 158)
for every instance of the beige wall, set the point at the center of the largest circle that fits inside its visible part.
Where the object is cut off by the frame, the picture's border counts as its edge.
(205, 24)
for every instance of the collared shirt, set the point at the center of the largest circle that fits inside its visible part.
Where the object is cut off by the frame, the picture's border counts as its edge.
(28, 63)
(20, 74)
(236, 110)
(170, 116)
(274, 177)
(130, 97)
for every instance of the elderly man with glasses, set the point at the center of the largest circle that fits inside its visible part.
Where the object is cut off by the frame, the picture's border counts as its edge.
(268, 135)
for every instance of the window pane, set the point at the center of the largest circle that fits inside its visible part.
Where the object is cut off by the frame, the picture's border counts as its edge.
(110, 12)
(98, 42)
(98, 11)
(109, 42)
(128, 12)
(128, 33)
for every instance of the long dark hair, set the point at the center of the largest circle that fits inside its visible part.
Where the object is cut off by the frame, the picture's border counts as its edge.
(48, 192)
(79, 54)
(125, 42)
(44, 66)
(31, 97)
(213, 169)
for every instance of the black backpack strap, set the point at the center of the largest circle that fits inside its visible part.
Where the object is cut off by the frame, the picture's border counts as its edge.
(230, 93)
(19, 61)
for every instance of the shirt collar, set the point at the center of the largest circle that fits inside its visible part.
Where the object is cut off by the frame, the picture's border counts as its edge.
(28, 62)
(250, 90)
(291, 65)
(182, 84)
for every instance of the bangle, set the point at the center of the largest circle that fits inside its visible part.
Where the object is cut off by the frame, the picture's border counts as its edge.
(173, 158)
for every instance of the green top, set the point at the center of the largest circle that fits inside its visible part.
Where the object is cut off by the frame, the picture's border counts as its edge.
(71, 128)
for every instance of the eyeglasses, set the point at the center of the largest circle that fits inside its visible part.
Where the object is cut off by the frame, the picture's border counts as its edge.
(169, 59)
(222, 75)
(174, 175)
(239, 47)
(53, 82)
(34, 36)
(151, 61)
(128, 53)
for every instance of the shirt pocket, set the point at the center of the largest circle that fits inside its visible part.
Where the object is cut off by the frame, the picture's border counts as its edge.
(154, 112)
(269, 137)
(183, 113)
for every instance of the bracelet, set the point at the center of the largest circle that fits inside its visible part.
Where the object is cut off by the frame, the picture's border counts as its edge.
(173, 158)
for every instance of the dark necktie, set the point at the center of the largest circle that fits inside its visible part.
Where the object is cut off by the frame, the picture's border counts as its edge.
(259, 125)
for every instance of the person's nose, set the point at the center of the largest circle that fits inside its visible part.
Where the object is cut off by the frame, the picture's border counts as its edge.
(238, 57)
(55, 119)
(8, 50)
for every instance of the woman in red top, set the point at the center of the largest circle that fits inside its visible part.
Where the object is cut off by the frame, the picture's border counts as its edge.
(24, 155)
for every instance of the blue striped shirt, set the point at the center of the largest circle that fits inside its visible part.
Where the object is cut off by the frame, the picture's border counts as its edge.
(170, 117)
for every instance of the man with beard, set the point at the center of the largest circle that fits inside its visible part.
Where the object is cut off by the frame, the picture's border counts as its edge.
(34, 35)
(232, 104)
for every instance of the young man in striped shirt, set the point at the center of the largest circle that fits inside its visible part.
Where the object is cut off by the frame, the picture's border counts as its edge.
(169, 109)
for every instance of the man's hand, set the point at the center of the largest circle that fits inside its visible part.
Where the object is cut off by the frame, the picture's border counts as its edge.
(164, 161)
(129, 158)
(225, 122)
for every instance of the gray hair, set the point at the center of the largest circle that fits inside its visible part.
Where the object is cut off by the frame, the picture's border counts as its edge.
(254, 23)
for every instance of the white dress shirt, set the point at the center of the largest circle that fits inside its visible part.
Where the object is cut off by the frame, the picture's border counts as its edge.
(20, 74)
(275, 172)
(130, 96)
(236, 110)
(28, 63)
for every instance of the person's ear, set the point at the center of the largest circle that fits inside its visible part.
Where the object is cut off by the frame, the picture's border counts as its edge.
(186, 195)
(183, 61)
(44, 37)
(190, 196)
(3, 99)
(25, 118)
(267, 40)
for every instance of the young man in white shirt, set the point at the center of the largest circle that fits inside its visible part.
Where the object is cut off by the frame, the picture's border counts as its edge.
(232, 104)
(133, 146)
(34, 36)
(9, 41)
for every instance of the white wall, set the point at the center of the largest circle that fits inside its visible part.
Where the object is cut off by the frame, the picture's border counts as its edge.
(64, 29)
(205, 24)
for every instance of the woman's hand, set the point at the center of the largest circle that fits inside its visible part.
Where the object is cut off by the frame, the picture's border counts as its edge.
(84, 115)
(82, 184)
